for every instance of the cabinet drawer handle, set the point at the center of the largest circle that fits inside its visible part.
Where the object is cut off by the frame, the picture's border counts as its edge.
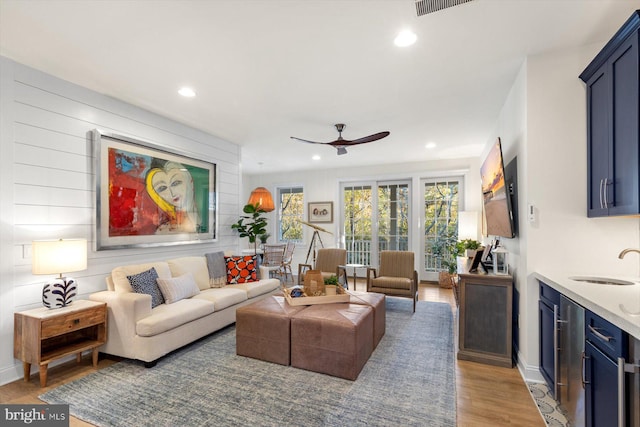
(76, 321)
(599, 335)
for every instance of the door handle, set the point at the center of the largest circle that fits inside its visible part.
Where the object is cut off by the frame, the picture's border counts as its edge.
(600, 194)
(604, 193)
(583, 361)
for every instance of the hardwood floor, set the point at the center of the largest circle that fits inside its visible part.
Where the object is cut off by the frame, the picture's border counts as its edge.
(486, 395)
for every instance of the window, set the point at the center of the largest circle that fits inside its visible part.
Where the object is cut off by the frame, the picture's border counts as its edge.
(290, 213)
(440, 218)
(376, 218)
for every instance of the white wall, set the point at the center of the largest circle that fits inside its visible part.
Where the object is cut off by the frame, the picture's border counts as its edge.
(46, 172)
(552, 174)
(324, 185)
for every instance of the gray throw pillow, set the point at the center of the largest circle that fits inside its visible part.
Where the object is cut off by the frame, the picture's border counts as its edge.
(146, 283)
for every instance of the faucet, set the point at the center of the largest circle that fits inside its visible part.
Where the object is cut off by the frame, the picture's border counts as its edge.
(626, 251)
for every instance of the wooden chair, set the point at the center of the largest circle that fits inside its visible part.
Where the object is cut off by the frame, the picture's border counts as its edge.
(396, 276)
(286, 262)
(273, 258)
(330, 262)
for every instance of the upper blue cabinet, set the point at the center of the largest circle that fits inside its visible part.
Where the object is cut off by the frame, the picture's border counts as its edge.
(613, 124)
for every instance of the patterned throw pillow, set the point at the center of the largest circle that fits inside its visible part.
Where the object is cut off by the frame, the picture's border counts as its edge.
(145, 283)
(241, 269)
(178, 288)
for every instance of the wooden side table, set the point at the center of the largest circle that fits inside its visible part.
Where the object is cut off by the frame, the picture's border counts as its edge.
(42, 335)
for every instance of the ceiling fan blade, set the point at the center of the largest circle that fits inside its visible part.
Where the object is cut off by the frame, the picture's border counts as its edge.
(370, 138)
(308, 142)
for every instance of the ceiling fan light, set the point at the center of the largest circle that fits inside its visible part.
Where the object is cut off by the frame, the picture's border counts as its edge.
(405, 38)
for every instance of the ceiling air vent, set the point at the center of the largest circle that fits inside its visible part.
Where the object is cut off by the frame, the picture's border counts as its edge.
(424, 7)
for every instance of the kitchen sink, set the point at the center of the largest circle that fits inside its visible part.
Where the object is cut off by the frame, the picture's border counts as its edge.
(601, 280)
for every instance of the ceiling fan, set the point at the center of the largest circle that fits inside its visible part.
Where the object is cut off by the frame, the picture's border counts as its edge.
(340, 144)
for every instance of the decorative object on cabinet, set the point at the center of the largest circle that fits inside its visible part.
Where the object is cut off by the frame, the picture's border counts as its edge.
(41, 336)
(320, 212)
(486, 297)
(59, 256)
(262, 197)
(613, 124)
(148, 195)
(500, 260)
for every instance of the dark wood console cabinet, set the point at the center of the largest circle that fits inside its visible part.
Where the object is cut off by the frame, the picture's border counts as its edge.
(485, 328)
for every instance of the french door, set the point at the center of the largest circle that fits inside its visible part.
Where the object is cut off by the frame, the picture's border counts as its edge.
(375, 217)
(442, 198)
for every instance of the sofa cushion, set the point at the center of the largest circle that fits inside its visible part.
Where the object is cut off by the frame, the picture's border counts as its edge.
(178, 288)
(217, 267)
(253, 289)
(196, 265)
(223, 297)
(119, 274)
(241, 269)
(169, 316)
(146, 283)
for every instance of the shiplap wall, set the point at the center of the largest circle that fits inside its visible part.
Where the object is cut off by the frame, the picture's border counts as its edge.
(47, 190)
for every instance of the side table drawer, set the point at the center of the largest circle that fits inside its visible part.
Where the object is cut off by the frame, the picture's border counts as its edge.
(72, 322)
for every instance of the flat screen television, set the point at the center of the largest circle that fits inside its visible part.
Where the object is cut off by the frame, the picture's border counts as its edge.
(495, 195)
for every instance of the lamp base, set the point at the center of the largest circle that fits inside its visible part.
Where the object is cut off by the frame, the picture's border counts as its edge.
(59, 292)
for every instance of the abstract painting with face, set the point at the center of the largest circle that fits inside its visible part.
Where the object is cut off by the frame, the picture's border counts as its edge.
(150, 195)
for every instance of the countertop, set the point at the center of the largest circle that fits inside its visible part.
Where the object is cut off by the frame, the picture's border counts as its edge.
(615, 303)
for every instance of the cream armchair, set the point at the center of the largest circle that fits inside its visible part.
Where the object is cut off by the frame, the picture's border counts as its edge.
(330, 262)
(396, 276)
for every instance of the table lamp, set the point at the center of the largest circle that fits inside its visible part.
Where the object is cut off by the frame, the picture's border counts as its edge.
(57, 257)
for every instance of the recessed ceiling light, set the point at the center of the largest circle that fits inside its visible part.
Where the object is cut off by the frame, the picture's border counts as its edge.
(405, 38)
(187, 92)
(315, 157)
(430, 145)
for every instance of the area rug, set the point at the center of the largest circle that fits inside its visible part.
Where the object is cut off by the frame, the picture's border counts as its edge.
(408, 381)
(548, 407)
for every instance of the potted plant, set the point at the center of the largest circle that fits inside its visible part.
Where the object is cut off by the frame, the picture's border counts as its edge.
(468, 247)
(445, 249)
(331, 285)
(263, 238)
(251, 225)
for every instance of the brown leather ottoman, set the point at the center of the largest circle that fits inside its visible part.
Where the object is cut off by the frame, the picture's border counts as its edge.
(378, 303)
(333, 339)
(263, 330)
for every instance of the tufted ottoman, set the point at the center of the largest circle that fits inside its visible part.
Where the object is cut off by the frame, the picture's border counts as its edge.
(333, 339)
(378, 303)
(263, 330)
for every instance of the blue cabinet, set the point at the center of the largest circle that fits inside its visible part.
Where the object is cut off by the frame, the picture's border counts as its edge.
(613, 124)
(605, 343)
(548, 306)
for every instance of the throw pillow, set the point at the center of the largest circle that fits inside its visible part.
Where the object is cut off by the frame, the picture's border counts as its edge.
(145, 283)
(178, 288)
(196, 265)
(241, 269)
(217, 267)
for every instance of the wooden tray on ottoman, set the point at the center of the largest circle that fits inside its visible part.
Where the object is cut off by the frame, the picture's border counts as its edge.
(342, 296)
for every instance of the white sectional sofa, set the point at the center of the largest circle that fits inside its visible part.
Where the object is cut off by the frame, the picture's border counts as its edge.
(137, 331)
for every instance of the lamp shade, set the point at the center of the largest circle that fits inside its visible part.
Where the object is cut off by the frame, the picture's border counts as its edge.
(59, 256)
(262, 197)
(468, 225)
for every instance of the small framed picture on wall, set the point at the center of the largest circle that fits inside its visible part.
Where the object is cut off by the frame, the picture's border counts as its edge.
(320, 212)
